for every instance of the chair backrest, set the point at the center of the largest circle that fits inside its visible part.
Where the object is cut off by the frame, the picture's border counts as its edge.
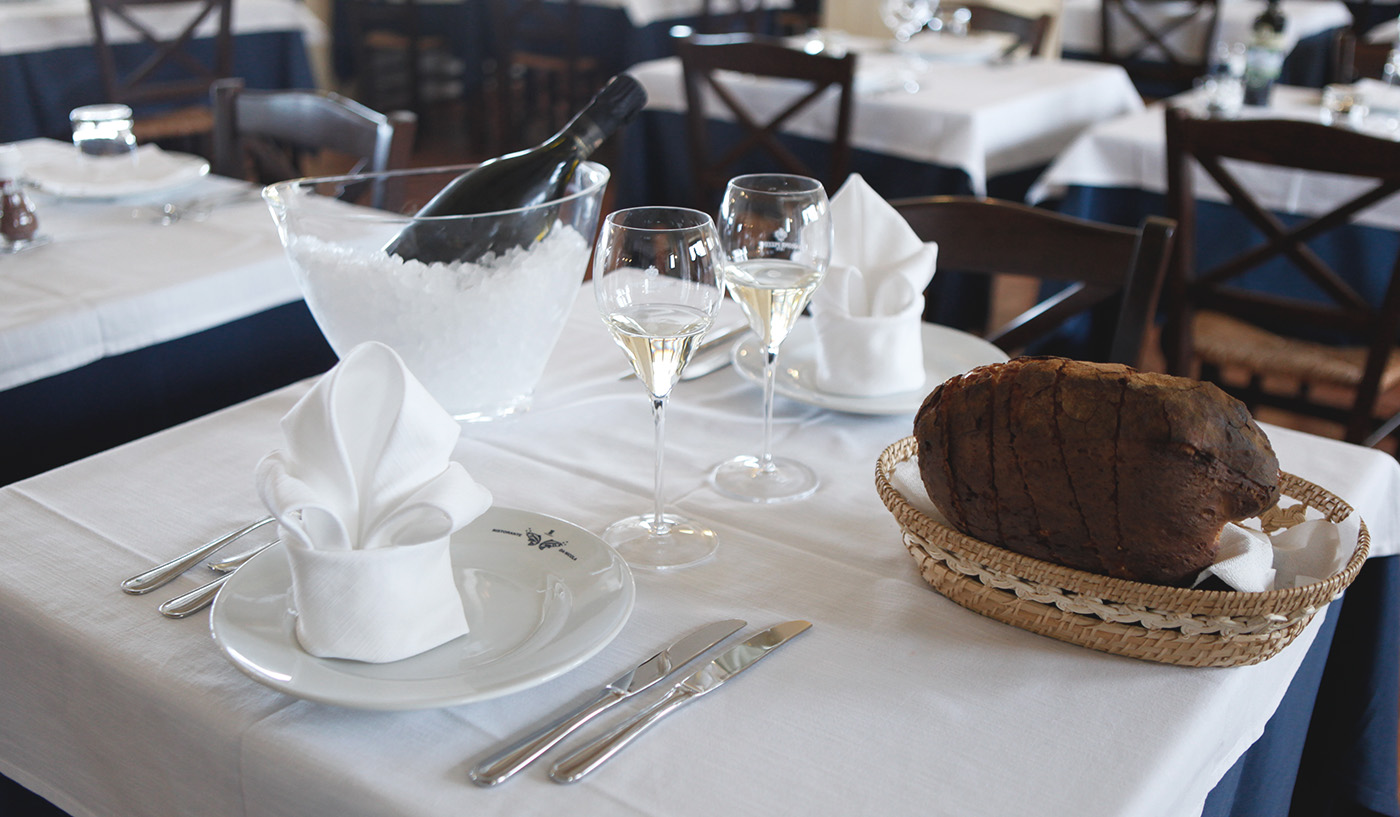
(1339, 308)
(1159, 41)
(1355, 57)
(541, 71)
(744, 16)
(703, 57)
(275, 131)
(1029, 31)
(1112, 273)
(171, 72)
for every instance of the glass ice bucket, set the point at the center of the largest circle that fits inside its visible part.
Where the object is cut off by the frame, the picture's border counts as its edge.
(476, 334)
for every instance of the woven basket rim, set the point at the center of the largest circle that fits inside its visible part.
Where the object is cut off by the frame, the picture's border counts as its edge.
(1284, 602)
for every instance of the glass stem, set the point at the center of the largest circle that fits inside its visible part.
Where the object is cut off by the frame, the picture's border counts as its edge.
(658, 415)
(770, 375)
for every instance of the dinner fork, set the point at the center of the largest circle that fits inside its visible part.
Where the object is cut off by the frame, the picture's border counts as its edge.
(165, 573)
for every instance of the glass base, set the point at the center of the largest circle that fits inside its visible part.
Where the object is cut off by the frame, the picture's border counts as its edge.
(683, 544)
(745, 478)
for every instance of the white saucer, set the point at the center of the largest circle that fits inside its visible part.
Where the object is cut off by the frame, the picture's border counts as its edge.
(947, 352)
(542, 596)
(70, 174)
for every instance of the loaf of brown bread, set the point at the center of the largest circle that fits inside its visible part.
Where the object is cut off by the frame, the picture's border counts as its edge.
(1094, 466)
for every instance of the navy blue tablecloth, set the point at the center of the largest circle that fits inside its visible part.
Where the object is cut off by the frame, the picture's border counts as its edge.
(38, 89)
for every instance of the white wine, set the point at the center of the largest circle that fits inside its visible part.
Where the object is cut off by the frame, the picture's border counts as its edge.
(773, 294)
(659, 340)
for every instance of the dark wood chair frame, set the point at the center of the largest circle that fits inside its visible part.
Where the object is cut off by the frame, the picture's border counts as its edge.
(395, 26)
(704, 55)
(519, 29)
(138, 86)
(1301, 145)
(1030, 31)
(1116, 272)
(746, 18)
(277, 127)
(1173, 64)
(1356, 58)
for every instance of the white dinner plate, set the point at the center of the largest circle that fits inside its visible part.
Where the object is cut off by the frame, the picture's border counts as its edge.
(541, 595)
(70, 174)
(947, 352)
(977, 46)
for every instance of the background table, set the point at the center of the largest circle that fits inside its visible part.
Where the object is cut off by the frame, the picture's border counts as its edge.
(48, 66)
(897, 702)
(966, 126)
(122, 326)
(1308, 34)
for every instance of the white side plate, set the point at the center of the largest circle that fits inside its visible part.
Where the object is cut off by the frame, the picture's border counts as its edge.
(149, 170)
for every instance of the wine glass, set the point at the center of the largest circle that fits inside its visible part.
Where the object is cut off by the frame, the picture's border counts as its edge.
(658, 281)
(905, 18)
(776, 233)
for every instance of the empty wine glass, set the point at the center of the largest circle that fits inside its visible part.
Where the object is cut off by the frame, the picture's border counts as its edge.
(658, 281)
(776, 233)
(905, 18)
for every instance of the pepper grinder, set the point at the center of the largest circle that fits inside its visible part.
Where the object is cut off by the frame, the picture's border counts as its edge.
(19, 224)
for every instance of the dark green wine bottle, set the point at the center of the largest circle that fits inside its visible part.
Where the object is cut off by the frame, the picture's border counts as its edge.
(517, 180)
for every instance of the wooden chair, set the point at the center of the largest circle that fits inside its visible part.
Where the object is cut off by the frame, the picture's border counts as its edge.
(1029, 31)
(169, 89)
(704, 56)
(540, 75)
(1226, 327)
(395, 60)
(1112, 273)
(1154, 42)
(1356, 58)
(745, 16)
(270, 136)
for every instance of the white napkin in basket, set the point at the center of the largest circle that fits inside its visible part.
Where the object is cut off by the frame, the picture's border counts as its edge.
(1248, 560)
(867, 313)
(367, 499)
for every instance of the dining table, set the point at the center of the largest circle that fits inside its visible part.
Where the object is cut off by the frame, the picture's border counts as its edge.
(1309, 29)
(157, 298)
(48, 65)
(938, 120)
(897, 701)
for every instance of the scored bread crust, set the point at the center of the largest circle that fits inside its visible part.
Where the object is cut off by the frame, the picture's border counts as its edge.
(1094, 466)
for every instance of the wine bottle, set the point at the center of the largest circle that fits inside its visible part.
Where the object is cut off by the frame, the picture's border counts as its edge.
(516, 180)
(1264, 58)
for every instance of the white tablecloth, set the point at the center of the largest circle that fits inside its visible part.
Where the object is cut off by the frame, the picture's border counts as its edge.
(983, 119)
(42, 25)
(1079, 24)
(114, 279)
(897, 702)
(646, 12)
(1131, 152)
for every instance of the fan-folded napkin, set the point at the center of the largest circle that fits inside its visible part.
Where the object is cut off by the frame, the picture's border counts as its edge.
(867, 313)
(367, 499)
(1247, 560)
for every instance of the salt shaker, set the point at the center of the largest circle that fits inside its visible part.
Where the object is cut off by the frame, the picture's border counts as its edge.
(19, 225)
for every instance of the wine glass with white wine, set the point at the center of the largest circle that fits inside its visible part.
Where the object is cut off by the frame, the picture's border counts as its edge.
(776, 233)
(658, 281)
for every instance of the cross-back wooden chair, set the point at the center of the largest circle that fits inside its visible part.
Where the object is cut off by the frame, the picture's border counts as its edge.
(270, 136)
(395, 59)
(168, 90)
(1112, 273)
(1214, 320)
(1356, 58)
(1029, 31)
(1160, 43)
(705, 57)
(540, 75)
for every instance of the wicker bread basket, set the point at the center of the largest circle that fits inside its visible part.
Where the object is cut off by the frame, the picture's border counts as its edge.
(1170, 625)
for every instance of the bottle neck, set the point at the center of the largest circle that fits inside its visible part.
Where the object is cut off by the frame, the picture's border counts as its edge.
(582, 134)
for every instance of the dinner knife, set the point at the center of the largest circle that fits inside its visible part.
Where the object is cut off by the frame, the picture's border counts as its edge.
(161, 575)
(731, 662)
(500, 766)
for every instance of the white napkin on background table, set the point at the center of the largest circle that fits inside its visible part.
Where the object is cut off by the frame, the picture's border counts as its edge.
(867, 313)
(367, 499)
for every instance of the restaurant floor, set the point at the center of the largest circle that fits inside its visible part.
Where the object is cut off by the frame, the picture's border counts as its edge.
(446, 138)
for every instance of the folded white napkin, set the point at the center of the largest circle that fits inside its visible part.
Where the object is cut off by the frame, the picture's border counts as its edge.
(1248, 560)
(367, 499)
(867, 312)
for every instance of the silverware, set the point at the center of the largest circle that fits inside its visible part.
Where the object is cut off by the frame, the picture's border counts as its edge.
(731, 662)
(501, 765)
(232, 563)
(163, 574)
(195, 600)
(200, 208)
(696, 369)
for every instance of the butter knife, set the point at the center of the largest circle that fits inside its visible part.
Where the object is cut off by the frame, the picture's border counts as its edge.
(731, 662)
(501, 765)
